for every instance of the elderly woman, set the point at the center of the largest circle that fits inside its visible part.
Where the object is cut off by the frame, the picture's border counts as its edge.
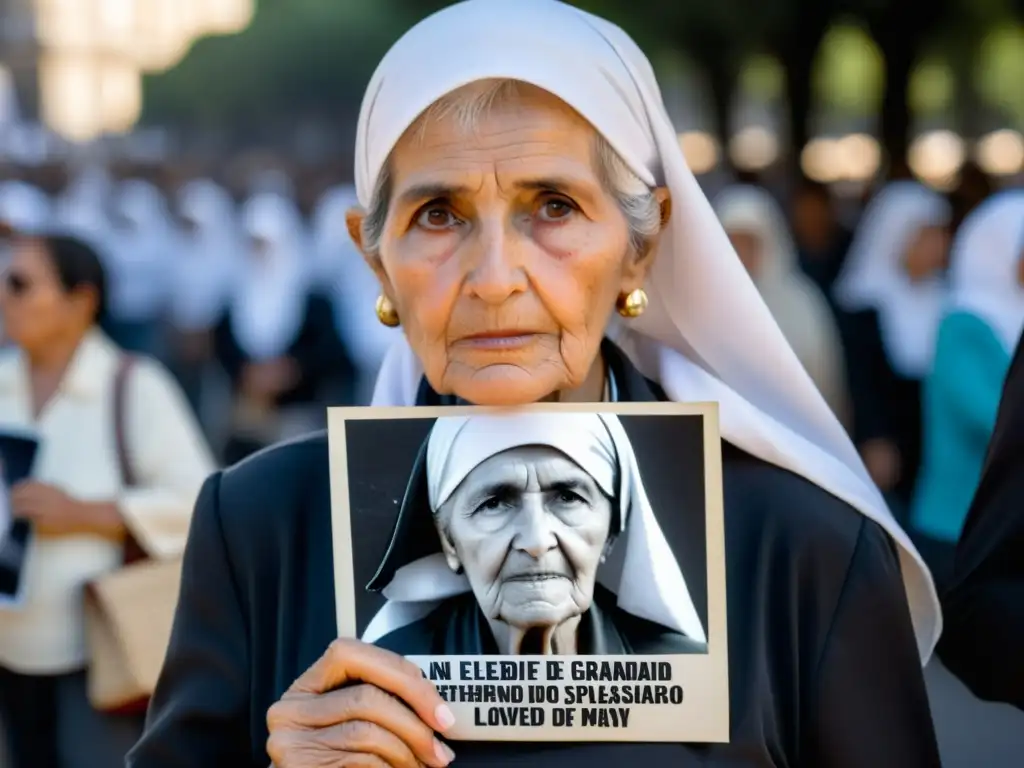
(515, 198)
(569, 487)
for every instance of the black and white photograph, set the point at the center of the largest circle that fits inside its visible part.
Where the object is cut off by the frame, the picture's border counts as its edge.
(17, 453)
(534, 533)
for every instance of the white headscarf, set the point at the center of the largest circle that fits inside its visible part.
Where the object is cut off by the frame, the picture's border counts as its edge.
(706, 335)
(351, 282)
(209, 261)
(269, 307)
(651, 585)
(983, 268)
(81, 207)
(795, 302)
(24, 207)
(873, 276)
(142, 251)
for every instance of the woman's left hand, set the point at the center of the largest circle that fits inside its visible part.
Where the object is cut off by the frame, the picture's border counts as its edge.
(53, 513)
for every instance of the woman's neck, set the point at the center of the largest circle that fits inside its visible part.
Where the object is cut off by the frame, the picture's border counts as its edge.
(559, 640)
(54, 356)
(592, 390)
(47, 367)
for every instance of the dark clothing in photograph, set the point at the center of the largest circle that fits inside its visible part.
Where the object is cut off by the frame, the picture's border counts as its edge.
(458, 627)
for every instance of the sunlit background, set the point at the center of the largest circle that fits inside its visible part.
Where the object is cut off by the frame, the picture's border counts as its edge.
(838, 95)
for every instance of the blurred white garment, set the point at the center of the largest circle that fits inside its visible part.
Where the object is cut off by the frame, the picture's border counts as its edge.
(81, 209)
(350, 282)
(984, 270)
(209, 259)
(24, 207)
(268, 309)
(874, 277)
(796, 303)
(142, 252)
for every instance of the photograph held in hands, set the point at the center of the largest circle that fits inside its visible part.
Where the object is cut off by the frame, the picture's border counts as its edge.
(556, 571)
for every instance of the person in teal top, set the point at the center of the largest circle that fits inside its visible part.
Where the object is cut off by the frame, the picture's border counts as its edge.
(976, 340)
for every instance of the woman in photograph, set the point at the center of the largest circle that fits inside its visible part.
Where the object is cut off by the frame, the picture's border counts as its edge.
(891, 294)
(961, 396)
(538, 236)
(570, 486)
(85, 496)
(757, 229)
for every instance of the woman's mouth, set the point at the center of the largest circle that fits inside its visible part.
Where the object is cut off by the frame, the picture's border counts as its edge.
(498, 340)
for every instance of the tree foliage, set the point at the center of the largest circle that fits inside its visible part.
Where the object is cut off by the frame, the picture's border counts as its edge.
(313, 57)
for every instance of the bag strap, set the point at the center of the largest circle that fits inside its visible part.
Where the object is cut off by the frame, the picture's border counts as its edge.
(124, 367)
(133, 551)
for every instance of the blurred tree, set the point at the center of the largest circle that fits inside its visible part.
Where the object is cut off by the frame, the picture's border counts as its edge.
(794, 38)
(299, 58)
(304, 59)
(902, 30)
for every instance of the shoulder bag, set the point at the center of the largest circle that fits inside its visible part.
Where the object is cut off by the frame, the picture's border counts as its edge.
(128, 612)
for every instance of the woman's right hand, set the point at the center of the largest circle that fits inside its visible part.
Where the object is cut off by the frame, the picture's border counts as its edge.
(359, 705)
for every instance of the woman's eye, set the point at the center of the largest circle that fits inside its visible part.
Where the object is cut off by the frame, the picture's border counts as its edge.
(436, 218)
(555, 209)
(568, 497)
(492, 505)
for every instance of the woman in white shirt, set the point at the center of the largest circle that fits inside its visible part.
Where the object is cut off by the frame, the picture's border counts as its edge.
(59, 383)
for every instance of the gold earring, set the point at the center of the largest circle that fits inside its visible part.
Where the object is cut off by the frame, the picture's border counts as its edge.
(632, 304)
(386, 312)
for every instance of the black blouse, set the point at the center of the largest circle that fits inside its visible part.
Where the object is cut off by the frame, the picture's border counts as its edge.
(824, 669)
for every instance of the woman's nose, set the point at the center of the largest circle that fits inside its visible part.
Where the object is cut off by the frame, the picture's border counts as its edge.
(534, 532)
(496, 273)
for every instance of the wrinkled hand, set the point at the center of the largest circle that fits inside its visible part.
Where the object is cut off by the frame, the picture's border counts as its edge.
(51, 511)
(362, 707)
(883, 463)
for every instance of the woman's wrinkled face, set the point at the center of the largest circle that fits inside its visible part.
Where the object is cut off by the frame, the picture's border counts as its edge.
(748, 247)
(927, 254)
(36, 309)
(503, 252)
(528, 527)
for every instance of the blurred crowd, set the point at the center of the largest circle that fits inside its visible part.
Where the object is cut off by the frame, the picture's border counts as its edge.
(254, 297)
(249, 289)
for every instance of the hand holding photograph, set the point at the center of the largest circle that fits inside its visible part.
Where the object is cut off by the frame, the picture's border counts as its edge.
(593, 539)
